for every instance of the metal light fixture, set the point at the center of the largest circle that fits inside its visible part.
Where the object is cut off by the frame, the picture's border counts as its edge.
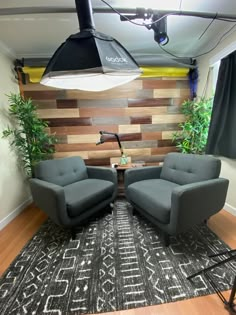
(89, 60)
(160, 29)
(158, 23)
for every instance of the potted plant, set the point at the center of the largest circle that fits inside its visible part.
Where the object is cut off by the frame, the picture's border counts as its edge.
(28, 135)
(192, 137)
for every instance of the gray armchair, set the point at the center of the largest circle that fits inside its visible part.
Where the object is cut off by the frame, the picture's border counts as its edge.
(70, 192)
(183, 192)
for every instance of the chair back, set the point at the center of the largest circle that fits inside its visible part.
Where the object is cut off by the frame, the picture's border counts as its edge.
(189, 168)
(61, 172)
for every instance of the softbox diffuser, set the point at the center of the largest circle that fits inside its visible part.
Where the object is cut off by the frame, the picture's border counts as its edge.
(90, 61)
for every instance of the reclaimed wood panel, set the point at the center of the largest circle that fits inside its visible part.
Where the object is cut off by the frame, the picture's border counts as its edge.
(179, 101)
(38, 87)
(182, 84)
(83, 154)
(92, 138)
(139, 151)
(117, 120)
(173, 109)
(184, 93)
(175, 78)
(139, 144)
(157, 93)
(103, 154)
(42, 104)
(143, 94)
(102, 112)
(146, 110)
(99, 95)
(159, 127)
(45, 95)
(148, 102)
(168, 134)
(61, 139)
(98, 162)
(84, 147)
(123, 137)
(144, 113)
(61, 122)
(151, 135)
(159, 84)
(177, 118)
(67, 103)
(58, 113)
(124, 91)
(130, 136)
(141, 120)
(129, 128)
(75, 130)
(122, 102)
(163, 150)
(165, 143)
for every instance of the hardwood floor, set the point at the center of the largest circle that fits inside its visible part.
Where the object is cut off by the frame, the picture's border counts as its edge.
(16, 234)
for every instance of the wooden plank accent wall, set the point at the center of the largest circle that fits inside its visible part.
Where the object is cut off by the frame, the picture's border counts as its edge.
(144, 112)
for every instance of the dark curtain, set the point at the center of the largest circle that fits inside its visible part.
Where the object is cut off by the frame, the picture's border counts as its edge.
(193, 80)
(222, 132)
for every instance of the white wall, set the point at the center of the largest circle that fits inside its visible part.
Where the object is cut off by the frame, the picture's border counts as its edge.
(228, 165)
(14, 191)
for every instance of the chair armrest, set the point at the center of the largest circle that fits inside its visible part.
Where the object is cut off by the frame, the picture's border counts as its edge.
(51, 199)
(105, 173)
(133, 175)
(193, 203)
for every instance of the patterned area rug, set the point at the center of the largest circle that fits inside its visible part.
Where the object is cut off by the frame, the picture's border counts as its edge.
(116, 262)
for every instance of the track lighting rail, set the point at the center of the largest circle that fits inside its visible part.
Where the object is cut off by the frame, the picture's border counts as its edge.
(53, 10)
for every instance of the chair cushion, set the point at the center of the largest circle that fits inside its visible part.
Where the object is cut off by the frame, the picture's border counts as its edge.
(86, 194)
(62, 172)
(189, 168)
(153, 196)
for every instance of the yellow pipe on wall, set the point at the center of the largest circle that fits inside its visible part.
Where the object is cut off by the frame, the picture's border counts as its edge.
(35, 73)
(155, 72)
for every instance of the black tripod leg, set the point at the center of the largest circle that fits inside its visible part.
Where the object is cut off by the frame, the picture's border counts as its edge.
(227, 252)
(232, 296)
(211, 267)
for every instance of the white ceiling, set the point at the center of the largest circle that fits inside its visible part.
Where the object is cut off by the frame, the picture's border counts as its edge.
(39, 35)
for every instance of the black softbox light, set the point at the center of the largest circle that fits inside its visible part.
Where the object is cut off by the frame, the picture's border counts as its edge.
(89, 60)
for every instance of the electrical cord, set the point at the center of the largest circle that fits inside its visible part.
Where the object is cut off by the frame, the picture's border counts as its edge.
(222, 37)
(207, 27)
(205, 53)
(226, 20)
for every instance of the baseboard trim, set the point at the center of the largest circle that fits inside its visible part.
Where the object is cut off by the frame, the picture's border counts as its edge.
(15, 213)
(230, 209)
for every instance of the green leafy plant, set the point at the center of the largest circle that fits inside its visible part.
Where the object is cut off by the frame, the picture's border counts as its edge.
(28, 135)
(192, 137)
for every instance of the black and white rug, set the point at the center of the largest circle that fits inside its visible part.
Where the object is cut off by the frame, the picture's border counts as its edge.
(116, 262)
